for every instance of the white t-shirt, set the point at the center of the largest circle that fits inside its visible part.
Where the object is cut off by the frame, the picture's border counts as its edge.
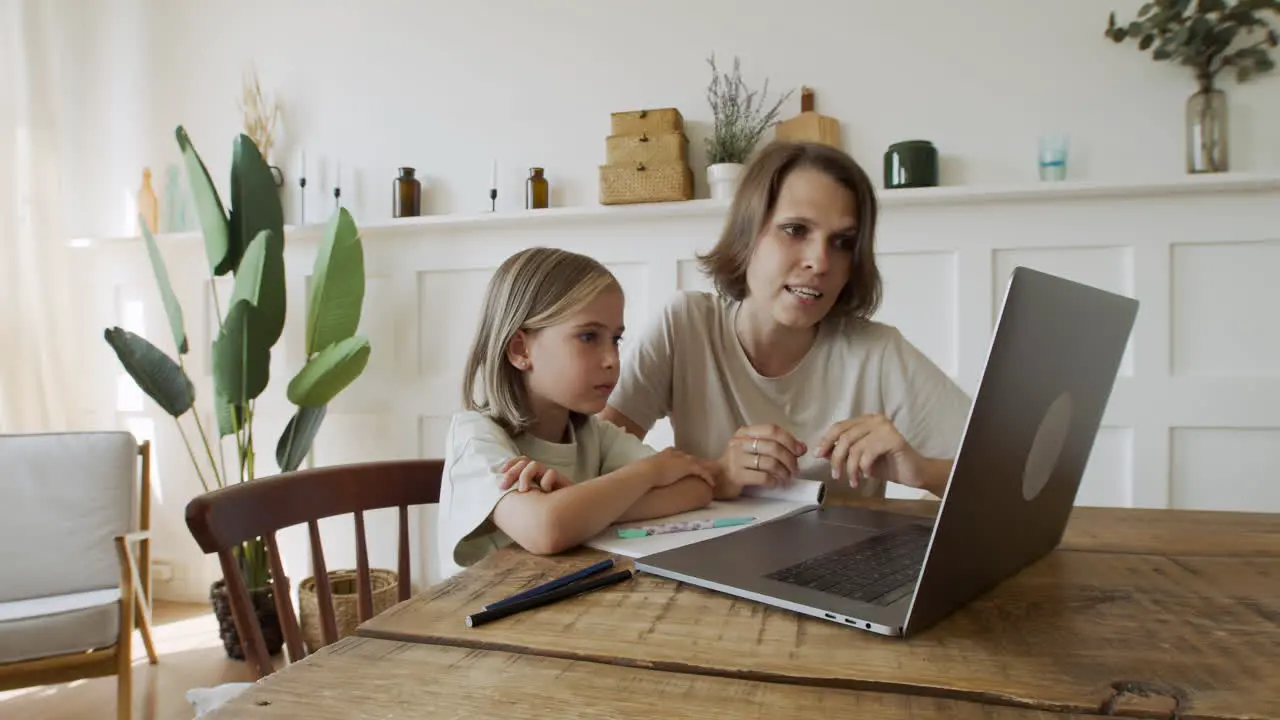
(690, 366)
(476, 448)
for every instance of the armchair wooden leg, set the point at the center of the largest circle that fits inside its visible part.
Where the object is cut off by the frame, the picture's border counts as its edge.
(124, 645)
(142, 599)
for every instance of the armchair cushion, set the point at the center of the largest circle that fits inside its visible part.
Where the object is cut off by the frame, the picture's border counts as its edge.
(63, 497)
(58, 625)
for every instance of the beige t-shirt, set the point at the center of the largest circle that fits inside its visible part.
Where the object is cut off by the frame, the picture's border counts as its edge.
(690, 366)
(475, 449)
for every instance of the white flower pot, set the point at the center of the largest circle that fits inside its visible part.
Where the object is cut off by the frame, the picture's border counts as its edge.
(723, 179)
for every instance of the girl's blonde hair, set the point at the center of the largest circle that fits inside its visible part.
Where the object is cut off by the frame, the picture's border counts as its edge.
(533, 289)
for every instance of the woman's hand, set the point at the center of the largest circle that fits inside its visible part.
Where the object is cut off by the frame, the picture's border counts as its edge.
(869, 447)
(758, 455)
(527, 474)
(670, 466)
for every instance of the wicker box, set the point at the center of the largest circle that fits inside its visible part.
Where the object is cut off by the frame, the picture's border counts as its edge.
(664, 148)
(640, 183)
(634, 122)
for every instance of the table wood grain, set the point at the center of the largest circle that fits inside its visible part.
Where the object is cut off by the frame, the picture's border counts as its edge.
(1078, 631)
(1146, 530)
(360, 678)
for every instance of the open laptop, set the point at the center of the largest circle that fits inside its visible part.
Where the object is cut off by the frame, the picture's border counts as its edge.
(1050, 369)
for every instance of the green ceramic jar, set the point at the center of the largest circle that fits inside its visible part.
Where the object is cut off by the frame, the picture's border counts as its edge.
(911, 164)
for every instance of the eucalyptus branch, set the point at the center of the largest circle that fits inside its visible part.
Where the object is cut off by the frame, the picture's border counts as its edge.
(1201, 34)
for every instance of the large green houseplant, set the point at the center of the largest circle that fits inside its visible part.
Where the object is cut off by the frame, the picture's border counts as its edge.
(1209, 37)
(248, 242)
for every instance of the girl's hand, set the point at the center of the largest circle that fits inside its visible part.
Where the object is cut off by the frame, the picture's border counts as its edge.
(758, 455)
(671, 465)
(871, 447)
(527, 474)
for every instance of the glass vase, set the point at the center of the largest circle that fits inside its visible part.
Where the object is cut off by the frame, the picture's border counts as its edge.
(1207, 131)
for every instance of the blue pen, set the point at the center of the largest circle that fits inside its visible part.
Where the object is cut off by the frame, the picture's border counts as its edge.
(557, 583)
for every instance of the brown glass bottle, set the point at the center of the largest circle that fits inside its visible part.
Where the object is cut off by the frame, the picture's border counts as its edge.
(406, 194)
(536, 191)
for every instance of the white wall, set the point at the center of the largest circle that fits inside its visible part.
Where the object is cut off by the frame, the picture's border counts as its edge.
(439, 86)
(448, 86)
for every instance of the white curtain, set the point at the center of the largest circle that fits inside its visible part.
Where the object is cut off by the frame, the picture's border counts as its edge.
(38, 381)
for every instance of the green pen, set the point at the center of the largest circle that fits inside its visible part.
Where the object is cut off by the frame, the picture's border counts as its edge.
(664, 528)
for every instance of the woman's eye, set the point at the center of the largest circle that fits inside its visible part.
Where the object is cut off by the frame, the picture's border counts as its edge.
(617, 339)
(587, 337)
(793, 230)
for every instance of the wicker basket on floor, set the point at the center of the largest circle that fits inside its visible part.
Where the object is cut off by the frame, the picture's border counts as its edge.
(342, 584)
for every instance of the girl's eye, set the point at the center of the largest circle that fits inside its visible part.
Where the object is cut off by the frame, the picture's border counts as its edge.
(617, 339)
(793, 230)
(587, 337)
(844, 242)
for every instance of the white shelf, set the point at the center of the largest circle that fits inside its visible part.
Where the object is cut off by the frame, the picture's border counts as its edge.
(934, 196)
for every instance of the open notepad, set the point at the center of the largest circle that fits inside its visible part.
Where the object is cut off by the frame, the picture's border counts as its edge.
(763, 504)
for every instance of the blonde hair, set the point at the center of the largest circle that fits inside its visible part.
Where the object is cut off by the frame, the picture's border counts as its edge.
(533, 289)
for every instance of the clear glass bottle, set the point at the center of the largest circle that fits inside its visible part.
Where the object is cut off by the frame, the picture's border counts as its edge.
(1207, 131)
(406, 194)
(536, 191)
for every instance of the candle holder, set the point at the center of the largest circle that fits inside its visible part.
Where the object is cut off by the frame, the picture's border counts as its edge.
(302, 200)
(493, 199)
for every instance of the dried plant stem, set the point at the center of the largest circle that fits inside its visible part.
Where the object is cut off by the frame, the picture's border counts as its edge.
(739, 113)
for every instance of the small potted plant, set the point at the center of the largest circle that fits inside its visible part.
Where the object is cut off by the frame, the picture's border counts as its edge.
(740, 120)
(1208, 36)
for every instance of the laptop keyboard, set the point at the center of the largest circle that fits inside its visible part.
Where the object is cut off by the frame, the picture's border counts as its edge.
(879, 570)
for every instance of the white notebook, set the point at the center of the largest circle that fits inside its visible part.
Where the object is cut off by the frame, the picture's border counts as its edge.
(762, 504)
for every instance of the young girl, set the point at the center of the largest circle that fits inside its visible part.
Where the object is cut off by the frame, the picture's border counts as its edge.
(544, 361)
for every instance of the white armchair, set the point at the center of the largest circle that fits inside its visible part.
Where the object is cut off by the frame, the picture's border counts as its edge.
(73, 506)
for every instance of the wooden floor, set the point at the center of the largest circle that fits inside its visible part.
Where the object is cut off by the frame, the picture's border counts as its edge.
(191, 655)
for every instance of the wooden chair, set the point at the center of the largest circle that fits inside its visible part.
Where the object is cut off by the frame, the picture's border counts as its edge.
(72, 507)
(222, 519)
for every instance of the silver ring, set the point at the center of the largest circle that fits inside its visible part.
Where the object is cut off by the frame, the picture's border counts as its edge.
(755, 448)
(757, 462)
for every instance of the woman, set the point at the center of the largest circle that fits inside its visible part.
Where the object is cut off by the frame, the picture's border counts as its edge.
(782, 374)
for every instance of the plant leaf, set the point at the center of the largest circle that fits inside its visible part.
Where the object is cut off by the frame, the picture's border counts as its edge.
(329, 372)
(172, 309)
(213, 220)
(255, 200)
(230, 416)
(337, 285)
(260, 281)
(298, 437)
(241, 361)
(157, 374)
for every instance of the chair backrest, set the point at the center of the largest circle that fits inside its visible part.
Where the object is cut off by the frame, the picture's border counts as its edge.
(64, 497)
(221, 520)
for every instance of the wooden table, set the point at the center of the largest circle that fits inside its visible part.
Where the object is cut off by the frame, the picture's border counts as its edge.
(1143, 612)
(361, 678)
(1140, 613)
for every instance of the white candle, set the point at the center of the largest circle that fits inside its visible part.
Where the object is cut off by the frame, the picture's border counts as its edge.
(302, 171)
(493, 175)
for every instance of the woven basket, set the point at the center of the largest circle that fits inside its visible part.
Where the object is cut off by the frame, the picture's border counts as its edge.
(342, 584)
(634, 122)
(648, 148)
(640, 183)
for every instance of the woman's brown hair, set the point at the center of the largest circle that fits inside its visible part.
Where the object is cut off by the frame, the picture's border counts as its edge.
(753, 204)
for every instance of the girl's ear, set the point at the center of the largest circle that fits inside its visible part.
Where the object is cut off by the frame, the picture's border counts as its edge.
(518, 351)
